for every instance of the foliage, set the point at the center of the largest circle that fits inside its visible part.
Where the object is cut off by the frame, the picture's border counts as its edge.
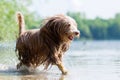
(99, 29)
(8, 23)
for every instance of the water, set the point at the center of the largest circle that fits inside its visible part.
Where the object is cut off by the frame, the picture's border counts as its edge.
(85, 60)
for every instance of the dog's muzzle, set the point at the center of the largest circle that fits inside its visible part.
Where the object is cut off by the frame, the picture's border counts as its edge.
(77, 33)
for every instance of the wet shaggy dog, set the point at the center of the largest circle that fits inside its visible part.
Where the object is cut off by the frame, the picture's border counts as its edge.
(45, 46)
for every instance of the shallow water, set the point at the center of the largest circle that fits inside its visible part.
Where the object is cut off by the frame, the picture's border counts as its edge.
(85, 60)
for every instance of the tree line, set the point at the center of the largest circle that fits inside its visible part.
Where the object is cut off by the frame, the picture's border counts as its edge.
(95, 29)
(98, 28)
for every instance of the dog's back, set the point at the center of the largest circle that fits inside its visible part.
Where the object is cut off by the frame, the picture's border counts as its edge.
(25, 42)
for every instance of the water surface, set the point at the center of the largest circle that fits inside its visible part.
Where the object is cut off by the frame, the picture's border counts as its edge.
(85, 60)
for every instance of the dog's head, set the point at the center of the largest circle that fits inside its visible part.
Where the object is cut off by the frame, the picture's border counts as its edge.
(62, 26)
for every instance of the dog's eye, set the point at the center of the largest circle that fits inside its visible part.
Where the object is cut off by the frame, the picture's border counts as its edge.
(68, 26)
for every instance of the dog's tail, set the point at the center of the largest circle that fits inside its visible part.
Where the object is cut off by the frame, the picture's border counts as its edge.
(21, 22)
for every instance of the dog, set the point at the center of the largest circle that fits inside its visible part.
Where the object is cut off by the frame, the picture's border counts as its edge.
(47, 45)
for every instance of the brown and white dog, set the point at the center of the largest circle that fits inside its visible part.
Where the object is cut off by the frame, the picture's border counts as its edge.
(46, 45)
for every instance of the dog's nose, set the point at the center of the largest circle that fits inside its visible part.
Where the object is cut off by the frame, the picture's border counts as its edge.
(77, 33)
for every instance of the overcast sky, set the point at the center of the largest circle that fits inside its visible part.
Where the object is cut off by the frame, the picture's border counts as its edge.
(92, 8)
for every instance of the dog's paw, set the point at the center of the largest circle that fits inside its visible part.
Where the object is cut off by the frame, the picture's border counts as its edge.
(65, 72)
(18, 66)
(31, 69)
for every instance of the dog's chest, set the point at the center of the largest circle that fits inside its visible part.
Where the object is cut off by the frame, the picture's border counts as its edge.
(64, 47)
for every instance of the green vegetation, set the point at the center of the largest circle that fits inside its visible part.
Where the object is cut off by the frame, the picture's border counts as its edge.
(98, 29)
(8, 22)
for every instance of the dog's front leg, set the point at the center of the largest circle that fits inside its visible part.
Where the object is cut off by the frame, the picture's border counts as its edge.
(19, 65)
(61, 67)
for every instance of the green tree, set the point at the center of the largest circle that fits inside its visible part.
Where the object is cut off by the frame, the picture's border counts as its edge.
(98, 28)
(114, 28)
(8, 24)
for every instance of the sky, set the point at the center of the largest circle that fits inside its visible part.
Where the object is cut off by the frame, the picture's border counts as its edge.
(91, 8)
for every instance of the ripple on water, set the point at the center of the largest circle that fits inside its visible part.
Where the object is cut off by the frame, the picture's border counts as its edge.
(84, 61)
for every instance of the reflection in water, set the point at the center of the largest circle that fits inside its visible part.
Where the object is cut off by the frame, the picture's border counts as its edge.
(41, 76)
(13, 74)
(98, 60)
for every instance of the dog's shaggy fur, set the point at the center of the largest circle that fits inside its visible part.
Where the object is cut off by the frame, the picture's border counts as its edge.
(46, 45)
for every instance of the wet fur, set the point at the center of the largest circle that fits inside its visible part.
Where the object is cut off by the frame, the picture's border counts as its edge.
(43, 46)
